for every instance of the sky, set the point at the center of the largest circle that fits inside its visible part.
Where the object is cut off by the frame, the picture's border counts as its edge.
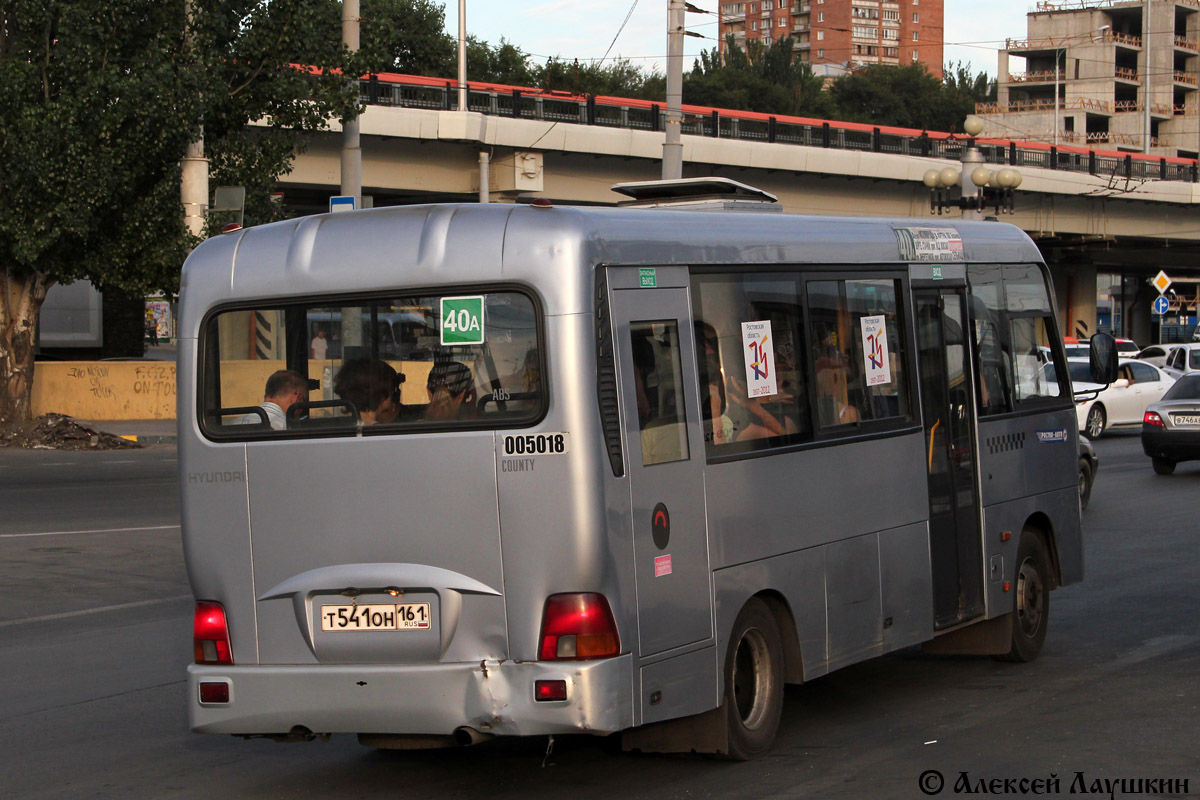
(974, 29)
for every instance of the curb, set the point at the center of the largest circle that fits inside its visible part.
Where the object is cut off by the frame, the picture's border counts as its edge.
(150, 439)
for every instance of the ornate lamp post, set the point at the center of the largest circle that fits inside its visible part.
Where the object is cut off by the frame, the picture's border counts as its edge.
(979, 187)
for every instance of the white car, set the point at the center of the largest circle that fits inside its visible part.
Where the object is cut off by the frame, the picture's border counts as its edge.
(1183, 360)
(1123, 402)
(1156, 354)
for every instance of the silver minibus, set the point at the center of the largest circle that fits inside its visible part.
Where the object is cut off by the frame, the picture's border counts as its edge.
(636, 471)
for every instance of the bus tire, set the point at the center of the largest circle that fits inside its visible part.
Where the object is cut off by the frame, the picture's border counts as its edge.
(753, 682)
(1031, 598)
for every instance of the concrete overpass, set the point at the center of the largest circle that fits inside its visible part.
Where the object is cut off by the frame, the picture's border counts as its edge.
(1094, 214)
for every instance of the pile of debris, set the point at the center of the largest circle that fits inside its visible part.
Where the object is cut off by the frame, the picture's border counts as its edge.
(60, 432)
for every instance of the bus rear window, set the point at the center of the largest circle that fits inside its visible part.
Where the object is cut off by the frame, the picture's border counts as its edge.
(377, 365)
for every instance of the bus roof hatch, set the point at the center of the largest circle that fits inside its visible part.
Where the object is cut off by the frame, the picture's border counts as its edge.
(697, 194)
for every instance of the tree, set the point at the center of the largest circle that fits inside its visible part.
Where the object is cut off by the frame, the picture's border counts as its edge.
(768, 80)
(909, 97)
(961, 91)
(98, 102)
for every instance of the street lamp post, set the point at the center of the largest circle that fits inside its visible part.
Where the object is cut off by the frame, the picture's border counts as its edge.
(978, 186)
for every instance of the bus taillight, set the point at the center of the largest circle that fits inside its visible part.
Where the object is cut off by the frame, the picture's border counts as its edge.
(578, 626)
(210, 634)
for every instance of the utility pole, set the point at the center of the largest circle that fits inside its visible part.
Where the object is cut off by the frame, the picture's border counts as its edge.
(672, 163)
(193, 186)
(1147, 69)
(462, 55)
(351, 145)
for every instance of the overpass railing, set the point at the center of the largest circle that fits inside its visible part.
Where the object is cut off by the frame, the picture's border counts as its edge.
(415, 91)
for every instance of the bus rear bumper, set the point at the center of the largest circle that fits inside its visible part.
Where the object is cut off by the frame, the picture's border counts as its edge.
(493, 697)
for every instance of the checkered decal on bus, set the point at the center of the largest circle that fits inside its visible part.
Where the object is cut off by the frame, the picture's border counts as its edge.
(1005, 443)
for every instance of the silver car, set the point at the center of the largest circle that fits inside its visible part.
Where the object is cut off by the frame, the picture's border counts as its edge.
(1171, 427)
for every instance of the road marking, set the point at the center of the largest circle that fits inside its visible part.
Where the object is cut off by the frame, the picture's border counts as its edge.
(98, 530)
(130, 461)
(99, 610)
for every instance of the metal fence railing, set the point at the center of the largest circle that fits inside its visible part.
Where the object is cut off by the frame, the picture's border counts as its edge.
(409, 91)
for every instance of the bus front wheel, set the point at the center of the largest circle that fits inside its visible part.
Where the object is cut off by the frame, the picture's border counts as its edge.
(753, 682)
(1031, 601)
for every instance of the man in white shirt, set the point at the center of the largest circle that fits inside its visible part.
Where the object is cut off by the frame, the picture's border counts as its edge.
(319, 345)
(284, 388)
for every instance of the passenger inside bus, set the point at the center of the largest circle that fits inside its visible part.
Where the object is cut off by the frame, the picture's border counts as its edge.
(718, 426)
(832, 380)
(725, 398)
(284, 388)
(663, 432)
(373, 387)
(451, 392)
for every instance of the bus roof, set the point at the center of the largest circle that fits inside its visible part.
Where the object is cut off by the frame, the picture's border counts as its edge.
(554, 249)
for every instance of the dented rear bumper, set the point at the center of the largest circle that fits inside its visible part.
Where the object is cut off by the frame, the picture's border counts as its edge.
(495, 697)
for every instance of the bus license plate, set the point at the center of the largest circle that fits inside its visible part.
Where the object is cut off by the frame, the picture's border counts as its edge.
(376, 617)
(1186, 419)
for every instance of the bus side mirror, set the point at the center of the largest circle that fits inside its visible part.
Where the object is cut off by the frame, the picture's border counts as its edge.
(1103, 355)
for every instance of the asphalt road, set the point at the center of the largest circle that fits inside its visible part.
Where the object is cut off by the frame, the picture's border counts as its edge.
(95, 637)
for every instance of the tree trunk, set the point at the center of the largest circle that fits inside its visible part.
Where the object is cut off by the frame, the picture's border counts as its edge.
(21, 297)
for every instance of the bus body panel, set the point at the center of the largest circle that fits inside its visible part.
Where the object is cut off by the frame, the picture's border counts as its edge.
(352, 502)
(557, 531)
(850, 599)
(770, 514)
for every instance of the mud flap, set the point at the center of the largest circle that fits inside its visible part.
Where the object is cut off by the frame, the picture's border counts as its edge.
(991, 637)
(699, 733)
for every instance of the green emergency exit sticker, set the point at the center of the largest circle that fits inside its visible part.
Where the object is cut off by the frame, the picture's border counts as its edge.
(462, 320)
(647, 278)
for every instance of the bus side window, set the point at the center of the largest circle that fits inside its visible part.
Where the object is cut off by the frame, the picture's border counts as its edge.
(733, 420)
(1027, 305)
(858, 352)
(658, 378)
(994, 354)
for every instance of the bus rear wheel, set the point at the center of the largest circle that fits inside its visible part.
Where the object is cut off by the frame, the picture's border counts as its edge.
(1031, 600)
(753, 682)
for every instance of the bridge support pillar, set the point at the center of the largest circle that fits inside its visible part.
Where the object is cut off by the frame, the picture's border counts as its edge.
(1075, 287)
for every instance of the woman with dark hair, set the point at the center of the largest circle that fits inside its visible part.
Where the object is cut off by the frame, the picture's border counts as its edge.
(451, 391)
(373, 387)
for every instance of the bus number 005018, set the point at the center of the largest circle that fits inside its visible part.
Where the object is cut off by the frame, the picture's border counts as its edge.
(535, 444)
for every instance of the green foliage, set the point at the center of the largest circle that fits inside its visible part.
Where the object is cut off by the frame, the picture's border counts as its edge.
(767, 80)
(99, 101)
(616, 78)
(97, 104)
(909, 97)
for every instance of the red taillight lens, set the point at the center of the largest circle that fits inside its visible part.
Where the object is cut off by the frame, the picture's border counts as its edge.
(578, 626)
(1150, 418)
(214, 692)
(550, 690)
(210, 634)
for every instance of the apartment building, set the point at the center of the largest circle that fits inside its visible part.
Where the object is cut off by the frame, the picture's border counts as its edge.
(1111, 74)
(847, 33)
